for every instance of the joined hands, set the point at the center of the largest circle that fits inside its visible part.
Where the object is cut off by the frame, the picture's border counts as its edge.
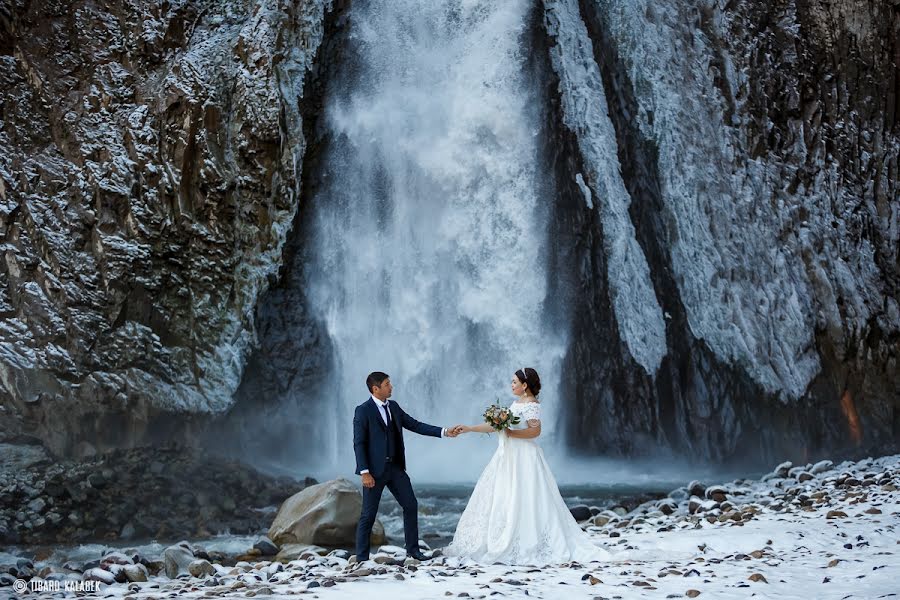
(456, 430)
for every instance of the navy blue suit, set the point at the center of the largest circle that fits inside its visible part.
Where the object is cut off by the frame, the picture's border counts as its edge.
(371, 446)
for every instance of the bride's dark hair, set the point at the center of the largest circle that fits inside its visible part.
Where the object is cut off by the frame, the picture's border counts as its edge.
(530, 377)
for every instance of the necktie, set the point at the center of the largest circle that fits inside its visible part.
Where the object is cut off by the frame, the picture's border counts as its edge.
(387, 414)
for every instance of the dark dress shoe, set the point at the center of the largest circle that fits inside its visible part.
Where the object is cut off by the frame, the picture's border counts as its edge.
(418, 556)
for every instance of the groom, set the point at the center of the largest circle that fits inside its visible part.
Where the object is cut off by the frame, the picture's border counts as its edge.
(380, 460)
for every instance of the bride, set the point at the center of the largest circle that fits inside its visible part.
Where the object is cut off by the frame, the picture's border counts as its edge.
(516, 514)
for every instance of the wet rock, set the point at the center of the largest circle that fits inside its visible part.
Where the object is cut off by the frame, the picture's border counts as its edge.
(266, 547)
(325, 514)
(795, 471)
(200, 568)
(717, 493)
(289, 552)
(136, 573)
(600, 520)
(581, 512)
(694, 504)
(114, 558)
(178, 559)
(821, 467)
(783, 469)
(98, 574)
(667, 507)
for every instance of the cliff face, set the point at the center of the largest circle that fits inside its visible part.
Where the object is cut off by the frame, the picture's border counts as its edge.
(737, 270)
(727, 221)
(149, 176)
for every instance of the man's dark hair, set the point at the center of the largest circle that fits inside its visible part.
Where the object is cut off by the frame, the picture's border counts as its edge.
(375, 378)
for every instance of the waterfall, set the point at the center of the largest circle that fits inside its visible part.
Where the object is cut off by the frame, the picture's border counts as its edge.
(430, 227)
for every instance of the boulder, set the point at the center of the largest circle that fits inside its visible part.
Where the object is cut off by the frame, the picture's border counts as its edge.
(667, 506)
(114, 558)
(793, 472)
(600, 520)
(266, 547)
(325, 515)
(822, 466)
(178, 559)
(717, 493)
(581, 512)
(291, 552)
(695, 488)
(679, 494)
(201, 568)
(98, 574)
(782, 469)
(136, 572)
(694, 504)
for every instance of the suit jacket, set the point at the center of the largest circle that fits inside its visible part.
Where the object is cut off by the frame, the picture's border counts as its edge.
(370, 439)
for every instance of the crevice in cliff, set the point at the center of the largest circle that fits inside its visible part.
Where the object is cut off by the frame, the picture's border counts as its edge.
(278, 388)
(597, 368)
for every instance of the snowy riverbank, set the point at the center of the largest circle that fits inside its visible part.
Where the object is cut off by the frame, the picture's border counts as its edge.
(813, 531)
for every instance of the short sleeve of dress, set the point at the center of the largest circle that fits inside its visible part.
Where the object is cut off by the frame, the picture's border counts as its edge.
(531, 412)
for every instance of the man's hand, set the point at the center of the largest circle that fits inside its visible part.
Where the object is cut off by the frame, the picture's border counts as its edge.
(367, 480)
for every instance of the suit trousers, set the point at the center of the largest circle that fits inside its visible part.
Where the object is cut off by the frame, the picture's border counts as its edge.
(397, 481)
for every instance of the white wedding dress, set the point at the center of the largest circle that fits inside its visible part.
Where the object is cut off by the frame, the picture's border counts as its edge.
(516, 515)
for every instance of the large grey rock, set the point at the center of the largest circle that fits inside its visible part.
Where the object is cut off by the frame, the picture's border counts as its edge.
(136, 572)
(178, 560)
(325, 515)
(821, 467)
(201, 568)
(98, 574)
(266, 547)
(581, 512)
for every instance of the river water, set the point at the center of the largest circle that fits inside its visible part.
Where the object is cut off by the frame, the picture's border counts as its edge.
(440, 506)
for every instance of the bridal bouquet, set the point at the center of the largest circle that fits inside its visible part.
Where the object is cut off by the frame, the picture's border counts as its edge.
(499, 418)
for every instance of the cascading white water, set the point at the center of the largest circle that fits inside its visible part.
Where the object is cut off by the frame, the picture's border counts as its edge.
(430, 228)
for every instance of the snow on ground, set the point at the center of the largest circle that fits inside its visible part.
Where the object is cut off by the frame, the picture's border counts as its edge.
(836, 534)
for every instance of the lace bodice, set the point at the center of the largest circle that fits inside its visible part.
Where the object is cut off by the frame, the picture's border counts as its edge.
(526, 411)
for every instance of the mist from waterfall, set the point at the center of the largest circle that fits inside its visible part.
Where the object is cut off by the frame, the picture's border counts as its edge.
(429, 231)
